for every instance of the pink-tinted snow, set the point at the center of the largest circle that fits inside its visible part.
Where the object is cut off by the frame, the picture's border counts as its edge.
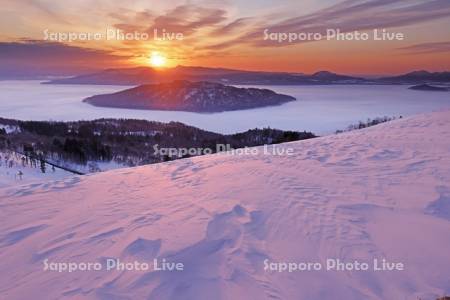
(381, 192)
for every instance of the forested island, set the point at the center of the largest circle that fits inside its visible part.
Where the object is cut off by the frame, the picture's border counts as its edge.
(206, 97)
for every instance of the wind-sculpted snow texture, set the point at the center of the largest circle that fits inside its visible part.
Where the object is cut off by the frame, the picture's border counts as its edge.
(381, 192)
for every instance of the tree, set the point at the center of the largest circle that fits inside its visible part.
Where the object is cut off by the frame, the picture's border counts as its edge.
(43, 165)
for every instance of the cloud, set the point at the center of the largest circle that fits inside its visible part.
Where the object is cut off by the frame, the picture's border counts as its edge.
(189, 18)
(194, 22)
(130, 21)
(347, 16)
(216, 30)
(232, 27)
(54, 58)
(43, 8)
(185, 19)
(426, 48)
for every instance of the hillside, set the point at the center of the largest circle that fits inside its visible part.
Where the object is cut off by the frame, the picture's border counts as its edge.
(377, 193)
(190, 96)
(15, 169)
(105, 144)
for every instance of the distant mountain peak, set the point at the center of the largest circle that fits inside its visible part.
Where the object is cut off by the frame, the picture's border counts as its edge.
(330, 76)
(420, 76)
(323, 73)
(419, 73)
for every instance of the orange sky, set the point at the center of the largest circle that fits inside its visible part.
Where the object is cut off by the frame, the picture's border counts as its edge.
(228, 34)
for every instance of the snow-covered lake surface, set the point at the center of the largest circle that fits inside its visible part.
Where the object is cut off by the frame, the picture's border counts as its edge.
(320, 109)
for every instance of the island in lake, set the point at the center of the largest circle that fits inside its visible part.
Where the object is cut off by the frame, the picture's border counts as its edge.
(427, 87)
(190, 96)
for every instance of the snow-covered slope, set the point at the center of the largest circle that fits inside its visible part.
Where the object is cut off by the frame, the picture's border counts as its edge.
(16, 170)
(381, 193)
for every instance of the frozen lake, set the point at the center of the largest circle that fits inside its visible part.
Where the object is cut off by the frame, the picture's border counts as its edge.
(320, 109)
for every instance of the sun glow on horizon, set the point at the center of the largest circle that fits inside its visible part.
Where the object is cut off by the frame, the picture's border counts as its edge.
(157, 60)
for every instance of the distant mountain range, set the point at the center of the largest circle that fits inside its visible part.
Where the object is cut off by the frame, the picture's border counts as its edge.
(190, 96)
(147, 75)
(419, 77)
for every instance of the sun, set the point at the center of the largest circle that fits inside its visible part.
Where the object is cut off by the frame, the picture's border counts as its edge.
(157, 60)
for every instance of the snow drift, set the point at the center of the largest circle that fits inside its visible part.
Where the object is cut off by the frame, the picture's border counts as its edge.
(381, 192)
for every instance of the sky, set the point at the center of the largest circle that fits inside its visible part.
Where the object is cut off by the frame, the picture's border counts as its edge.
(240, 34)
